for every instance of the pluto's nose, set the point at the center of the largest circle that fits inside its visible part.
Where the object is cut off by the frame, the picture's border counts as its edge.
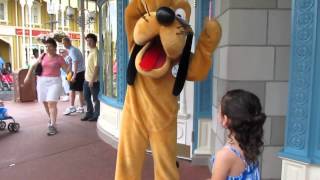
(165, 16)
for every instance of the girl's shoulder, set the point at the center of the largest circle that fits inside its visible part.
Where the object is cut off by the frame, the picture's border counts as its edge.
(226, 156)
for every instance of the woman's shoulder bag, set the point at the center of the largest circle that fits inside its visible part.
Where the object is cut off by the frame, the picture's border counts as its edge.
(38, 70)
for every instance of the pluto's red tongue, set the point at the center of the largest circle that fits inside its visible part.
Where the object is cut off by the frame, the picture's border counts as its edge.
(154, 57)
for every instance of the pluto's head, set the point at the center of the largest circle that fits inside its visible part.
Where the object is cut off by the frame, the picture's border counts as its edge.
(159, 37)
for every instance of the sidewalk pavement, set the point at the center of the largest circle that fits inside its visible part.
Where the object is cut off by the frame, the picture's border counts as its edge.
(75, 153)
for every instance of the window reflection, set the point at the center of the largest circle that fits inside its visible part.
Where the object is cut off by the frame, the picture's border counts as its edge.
(109, 30)
(2, 16)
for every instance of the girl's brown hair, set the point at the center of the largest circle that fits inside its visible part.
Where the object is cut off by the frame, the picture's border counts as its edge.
(243, 108)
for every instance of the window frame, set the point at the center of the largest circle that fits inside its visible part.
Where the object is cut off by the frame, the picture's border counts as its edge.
(35, 3)
(66, 20)
(122, 56)
(5, 9)
(203, 90)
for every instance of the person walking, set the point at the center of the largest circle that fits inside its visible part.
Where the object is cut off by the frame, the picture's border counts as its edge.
(49, 83)
(76, 83)
(65, 83)
(91, 83)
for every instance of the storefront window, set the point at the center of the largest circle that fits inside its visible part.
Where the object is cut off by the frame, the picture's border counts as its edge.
(36, 13)
(109, 56)
(3, 10)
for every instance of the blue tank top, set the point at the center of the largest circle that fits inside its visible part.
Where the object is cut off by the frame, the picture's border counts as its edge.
(251, 171)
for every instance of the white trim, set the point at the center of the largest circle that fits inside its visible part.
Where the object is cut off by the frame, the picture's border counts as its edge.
(7, 31)
(295, 170)
(204, 137)
(109, 120)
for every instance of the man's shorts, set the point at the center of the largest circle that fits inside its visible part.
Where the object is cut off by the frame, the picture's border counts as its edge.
(78, 84)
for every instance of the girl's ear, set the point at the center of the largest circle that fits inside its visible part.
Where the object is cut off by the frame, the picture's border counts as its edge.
(225, 121)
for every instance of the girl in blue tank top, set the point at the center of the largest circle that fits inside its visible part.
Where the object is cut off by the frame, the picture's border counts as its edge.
(239, 113)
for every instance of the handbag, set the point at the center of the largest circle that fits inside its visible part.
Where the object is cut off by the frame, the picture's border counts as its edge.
(38, 70)
(69, 76)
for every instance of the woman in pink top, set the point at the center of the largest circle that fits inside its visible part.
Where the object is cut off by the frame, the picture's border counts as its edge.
(49, 84)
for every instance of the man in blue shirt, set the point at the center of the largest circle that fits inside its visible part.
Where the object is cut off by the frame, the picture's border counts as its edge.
(77, 80)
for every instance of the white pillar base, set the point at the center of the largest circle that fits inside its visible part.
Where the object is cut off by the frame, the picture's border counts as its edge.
(295, 170)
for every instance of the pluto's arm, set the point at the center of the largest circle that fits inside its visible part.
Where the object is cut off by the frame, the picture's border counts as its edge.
(133, 13)
(200, 62)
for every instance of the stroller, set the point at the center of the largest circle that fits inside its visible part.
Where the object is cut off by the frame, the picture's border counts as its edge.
(6, 81)
(12, 126)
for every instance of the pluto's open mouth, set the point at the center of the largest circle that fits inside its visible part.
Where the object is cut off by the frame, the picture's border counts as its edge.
(154, 57)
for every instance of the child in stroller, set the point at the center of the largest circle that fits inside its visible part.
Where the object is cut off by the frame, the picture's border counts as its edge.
(6, 80)
(12, 126)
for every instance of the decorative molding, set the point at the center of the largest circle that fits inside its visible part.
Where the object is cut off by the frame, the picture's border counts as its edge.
(302, 74)
(122, 51)
(316, 104)
(301, 131)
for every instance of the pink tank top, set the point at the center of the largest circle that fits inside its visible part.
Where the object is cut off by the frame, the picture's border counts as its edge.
(51, 65)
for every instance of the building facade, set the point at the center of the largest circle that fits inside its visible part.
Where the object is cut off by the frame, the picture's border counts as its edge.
(269, 47)
(20, 17)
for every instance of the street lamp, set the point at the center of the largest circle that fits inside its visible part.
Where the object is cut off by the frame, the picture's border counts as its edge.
(70, 12)
(22, 4)
(52, 8)
(91, 16)
(30, 3)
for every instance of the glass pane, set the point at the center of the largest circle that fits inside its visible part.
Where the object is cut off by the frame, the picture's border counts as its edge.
(35, 14)
(1, 11)
(109, 33)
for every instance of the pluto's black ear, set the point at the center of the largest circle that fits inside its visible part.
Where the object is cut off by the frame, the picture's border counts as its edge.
(132, 71)
(183, 67)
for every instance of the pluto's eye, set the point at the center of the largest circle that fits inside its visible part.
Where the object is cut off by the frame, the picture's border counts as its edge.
(181, 13)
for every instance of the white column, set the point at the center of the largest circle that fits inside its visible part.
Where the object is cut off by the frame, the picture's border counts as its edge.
(62, 17)
(23, 3)
(82, 28)
(17, 39)
(57, 8)
(183, 105)
(30, 3)
(51, 12)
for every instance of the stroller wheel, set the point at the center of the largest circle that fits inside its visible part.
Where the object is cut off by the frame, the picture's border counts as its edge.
(13, 127)
(2, 125)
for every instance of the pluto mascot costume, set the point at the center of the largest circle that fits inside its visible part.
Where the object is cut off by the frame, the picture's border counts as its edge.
(159, 37)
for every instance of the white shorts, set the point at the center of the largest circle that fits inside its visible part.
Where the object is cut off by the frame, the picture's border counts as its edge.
(49, 88)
